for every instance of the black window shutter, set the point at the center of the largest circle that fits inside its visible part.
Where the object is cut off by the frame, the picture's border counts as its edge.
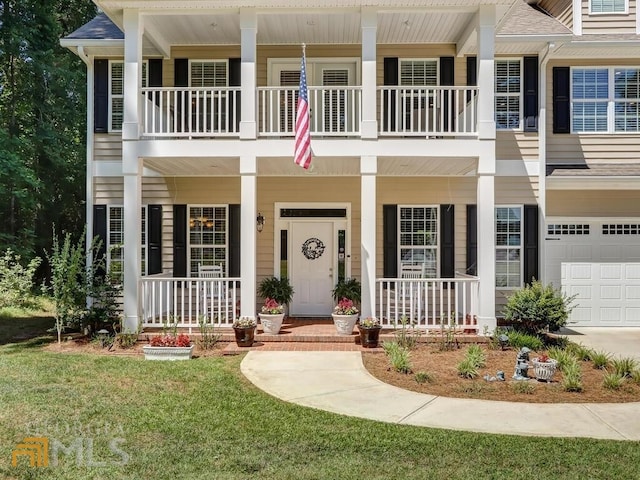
(472, 239)
(390, 241)
(155, 72)
(391, 77)
(447, 241)
(235, 81)
(530, 84)
(530, 243)
(100, 231)
(561, 106)
(179, 240)
(154, 239)
(180, 79)
(472, 74)
(101, 96)
(448, 104)
(234, 241)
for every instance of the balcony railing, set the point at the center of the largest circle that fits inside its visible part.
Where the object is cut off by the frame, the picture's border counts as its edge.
(427, 111)
(333, 111)
(428, 303)
(191, 112)
(184, 302)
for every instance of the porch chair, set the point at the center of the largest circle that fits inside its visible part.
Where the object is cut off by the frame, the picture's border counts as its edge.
(408, 295)
(213, 294)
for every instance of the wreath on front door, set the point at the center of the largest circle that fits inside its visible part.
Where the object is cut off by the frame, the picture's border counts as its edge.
(313, 248)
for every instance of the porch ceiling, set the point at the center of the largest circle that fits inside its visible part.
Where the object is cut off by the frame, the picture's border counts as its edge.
(320, 166)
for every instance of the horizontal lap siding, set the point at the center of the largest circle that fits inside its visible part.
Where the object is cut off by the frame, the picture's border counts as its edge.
(196, 53)
(514, 145)
(107, 146)
(602, 23)
(593, 203)
(296, 189)
(594, 148)
(516, 190)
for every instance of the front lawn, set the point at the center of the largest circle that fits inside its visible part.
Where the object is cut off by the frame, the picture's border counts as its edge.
(202, 420)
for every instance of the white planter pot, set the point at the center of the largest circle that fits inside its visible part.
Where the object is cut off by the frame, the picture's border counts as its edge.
(344, 323)
(271, 323)
(544, 370)
(167, 353)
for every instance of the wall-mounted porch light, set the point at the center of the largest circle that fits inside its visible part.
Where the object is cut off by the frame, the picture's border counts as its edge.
(259, 222)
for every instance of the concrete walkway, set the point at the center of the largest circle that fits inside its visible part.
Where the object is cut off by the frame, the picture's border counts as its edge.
(619, 341)
(338, 382)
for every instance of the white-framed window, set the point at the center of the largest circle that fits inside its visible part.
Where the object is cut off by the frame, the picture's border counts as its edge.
(116, 92)
(608, 6)
(509, 246)
(115, 241)
(605, 99)
(208, 237)
(419, 72)
(209, 106)
(508, 94)
(418, 238)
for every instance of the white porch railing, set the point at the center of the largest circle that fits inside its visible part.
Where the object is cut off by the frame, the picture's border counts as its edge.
(428, 111)
(166, 300)
(428, 302)
(191, 112)
(333, 111)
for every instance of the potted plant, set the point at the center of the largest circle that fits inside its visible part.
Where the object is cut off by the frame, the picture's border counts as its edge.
(537, 307)
(369, 329)
(168, 347)
(349, 288)
(278, 289)
(345, 316)
(245, 330)
(544, 367)
(271, 316)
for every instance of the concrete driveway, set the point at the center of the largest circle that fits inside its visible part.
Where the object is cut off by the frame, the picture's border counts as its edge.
(618, 341)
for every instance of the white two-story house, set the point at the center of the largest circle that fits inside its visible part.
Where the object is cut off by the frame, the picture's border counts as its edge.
(460, 150)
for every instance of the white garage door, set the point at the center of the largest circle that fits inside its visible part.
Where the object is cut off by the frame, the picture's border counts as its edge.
(595, 260)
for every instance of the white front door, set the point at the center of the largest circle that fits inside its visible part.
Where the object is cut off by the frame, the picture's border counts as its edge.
(312, 267)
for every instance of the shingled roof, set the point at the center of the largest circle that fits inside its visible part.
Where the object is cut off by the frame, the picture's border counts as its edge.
(594, 170)
(100, 28)
(524, 19)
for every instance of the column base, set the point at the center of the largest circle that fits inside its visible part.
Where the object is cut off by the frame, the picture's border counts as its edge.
(248, 130)
(131, 324)
(369, 129)
(486, 326)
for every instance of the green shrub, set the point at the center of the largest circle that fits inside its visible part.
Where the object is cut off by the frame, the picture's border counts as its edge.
(517, 340)
(600, 359)
(477, 355)
(579, 351)
(16, 281)
(467, 368)
(635, 376)
(407, 335)
(398, 357)
(613, 381)
(538, 307)
(572, 377)
(423, 377)
(624, 366)
(563, 357)
(126, 340)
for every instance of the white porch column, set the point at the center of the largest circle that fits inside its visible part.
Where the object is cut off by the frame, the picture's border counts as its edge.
(486, 170)
(368, 172)
(133, 28)
(486, 72)
(248, 235)
(248, 33)
(132, 171)
(369, 24)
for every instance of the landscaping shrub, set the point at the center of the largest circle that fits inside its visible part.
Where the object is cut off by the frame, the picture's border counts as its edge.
(398, 356)
(600, 359)
(538, 307)
(16, 281)
(572, 377)
(563, 357)
(517, 340)
(613, 381)
(579, 351)
(423, 377)
(624, 366)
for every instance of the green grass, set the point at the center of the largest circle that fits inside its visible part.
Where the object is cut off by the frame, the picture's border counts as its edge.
(202, 420)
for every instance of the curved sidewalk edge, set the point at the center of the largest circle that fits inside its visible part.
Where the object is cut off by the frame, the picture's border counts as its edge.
(338, 382)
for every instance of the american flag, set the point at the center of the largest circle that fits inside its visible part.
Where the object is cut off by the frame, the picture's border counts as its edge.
(302, 154)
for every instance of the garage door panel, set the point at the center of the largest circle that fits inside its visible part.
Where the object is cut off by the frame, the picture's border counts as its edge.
(610, 315)
(611, 292)
(632, 315)
(632, 272)
(581, 315)
(611, 271)
(579, 272)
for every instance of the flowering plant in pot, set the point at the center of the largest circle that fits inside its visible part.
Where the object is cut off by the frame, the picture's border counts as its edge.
(369, 329)
(168, 347)
(345, 316)
(271, 316)
(244, 329)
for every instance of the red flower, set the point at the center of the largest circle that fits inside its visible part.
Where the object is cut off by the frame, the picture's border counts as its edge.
(181, 340)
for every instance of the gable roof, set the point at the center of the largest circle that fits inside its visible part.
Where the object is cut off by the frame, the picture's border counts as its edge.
(100, 28)
(524, 19)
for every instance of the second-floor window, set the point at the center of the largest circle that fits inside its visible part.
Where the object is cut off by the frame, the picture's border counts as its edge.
(116, 92)
(209, 104)
(608, 6)
(508, 95)
(605, 100)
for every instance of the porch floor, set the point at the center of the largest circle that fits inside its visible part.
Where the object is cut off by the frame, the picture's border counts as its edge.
(315, 334)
